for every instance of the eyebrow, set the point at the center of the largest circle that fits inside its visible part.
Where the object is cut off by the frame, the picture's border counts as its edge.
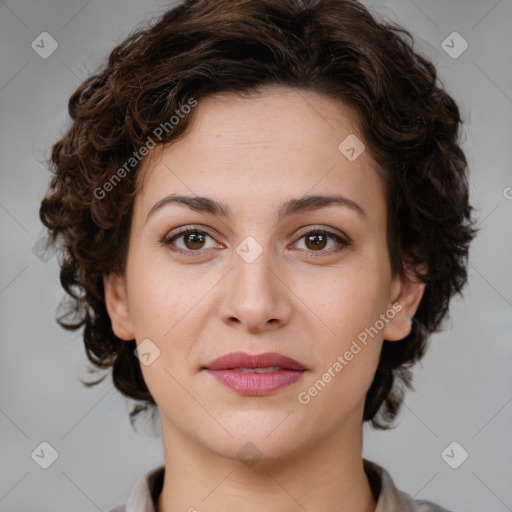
(290, 207)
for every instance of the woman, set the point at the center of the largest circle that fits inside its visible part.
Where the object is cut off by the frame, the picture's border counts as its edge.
(264, 213)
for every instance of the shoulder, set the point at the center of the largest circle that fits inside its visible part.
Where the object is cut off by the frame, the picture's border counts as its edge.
(389, 497)
(144, 493)
(118, 508)
(429, 506)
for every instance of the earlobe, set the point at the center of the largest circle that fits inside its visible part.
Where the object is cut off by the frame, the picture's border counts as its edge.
(405, 304)
(117, 306)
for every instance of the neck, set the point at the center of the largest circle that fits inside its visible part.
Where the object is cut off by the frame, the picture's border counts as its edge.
(328, 476)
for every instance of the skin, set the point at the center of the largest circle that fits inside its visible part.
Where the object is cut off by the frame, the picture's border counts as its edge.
(252, 154)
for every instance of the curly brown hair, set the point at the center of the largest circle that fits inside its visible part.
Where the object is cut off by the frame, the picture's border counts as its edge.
(411, 128)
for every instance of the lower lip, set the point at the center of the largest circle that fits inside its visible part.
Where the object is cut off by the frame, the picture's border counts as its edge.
(256, 384)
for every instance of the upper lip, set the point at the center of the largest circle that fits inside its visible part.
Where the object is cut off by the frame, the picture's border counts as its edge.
(246, 360)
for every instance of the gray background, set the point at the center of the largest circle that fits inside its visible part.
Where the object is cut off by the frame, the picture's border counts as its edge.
(464, 384)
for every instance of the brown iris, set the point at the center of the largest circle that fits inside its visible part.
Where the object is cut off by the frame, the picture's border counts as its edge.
(194, 240)
(318, 241)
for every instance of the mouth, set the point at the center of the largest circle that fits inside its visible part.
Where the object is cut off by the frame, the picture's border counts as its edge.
(255, 374)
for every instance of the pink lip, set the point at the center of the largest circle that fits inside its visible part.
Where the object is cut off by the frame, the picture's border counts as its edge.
(255, 384)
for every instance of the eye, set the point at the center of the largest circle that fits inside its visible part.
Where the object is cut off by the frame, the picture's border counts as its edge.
(316, 240)
(189, 240)
(193, 240)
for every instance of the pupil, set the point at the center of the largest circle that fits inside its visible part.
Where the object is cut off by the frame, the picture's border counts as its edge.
(317, 245)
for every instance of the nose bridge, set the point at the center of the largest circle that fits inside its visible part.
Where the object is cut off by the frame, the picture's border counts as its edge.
(254, 295)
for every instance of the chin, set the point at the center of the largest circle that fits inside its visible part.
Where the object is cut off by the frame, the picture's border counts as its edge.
(255, 450)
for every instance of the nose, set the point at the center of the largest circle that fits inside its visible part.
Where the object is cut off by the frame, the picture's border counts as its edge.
(255, 296)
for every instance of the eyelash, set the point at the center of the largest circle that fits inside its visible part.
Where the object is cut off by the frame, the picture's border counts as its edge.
(168, 241)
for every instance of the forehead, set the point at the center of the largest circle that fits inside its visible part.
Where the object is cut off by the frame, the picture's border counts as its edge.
(276, 143)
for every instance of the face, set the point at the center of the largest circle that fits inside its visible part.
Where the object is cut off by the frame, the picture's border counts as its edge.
(261, 270)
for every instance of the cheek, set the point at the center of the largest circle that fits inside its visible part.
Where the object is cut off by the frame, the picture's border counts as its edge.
(169, 307)
(348, 353)
(348, 303)
(165, 297)
(347, 300)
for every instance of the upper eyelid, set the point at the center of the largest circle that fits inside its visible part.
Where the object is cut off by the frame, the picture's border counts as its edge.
(329, 231)
(185, 229)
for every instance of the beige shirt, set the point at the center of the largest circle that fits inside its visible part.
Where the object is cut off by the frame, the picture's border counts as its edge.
(147, 489)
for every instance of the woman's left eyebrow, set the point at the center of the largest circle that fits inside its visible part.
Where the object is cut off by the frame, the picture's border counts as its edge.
(290, 207)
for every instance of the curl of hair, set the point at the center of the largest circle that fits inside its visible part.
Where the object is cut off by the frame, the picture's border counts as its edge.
(410, 125)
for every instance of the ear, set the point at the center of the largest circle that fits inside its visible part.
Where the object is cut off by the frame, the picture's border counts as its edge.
(406, 294)
(116, 303)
